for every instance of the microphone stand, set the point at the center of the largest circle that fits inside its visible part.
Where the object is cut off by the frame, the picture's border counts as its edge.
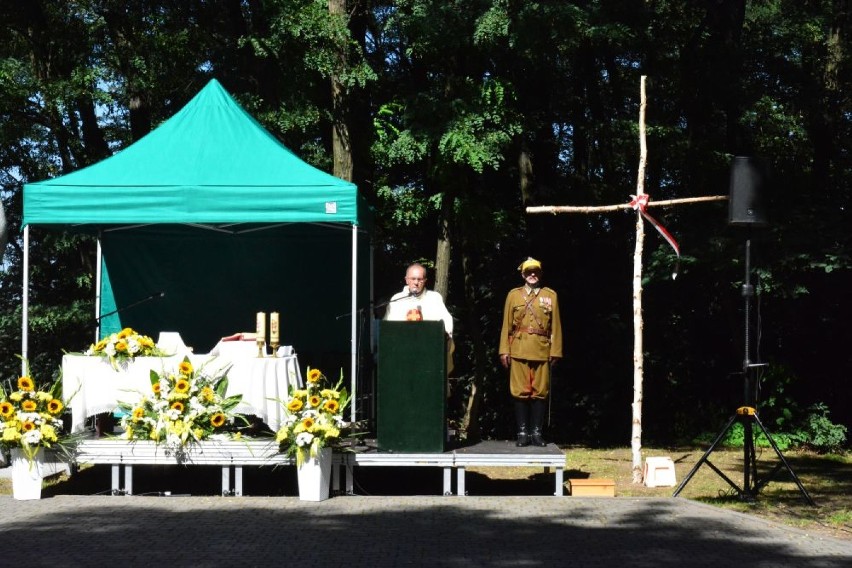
(392, 300)
(128, 306)
(377, 306)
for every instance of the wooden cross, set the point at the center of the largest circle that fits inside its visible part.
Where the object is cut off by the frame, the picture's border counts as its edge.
(639, 203)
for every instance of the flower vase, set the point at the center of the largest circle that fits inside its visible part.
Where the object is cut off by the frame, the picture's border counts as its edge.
(315, 476)
(27, 475)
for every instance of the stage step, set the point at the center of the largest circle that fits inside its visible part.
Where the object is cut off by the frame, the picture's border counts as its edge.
(592, 487)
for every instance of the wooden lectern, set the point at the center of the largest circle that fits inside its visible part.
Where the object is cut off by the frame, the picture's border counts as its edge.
(412, 383)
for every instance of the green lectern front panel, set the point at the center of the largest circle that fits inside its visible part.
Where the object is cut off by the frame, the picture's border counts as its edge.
(412, 378)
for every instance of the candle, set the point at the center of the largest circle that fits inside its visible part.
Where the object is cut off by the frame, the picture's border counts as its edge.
(273, 328)
(261, 326)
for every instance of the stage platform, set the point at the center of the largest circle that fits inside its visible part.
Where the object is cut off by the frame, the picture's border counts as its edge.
(489, 453)
(232, 456)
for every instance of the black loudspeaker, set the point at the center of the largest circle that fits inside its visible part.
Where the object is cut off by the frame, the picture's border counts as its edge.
(746, 205)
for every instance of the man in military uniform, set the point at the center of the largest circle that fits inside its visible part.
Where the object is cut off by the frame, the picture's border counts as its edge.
(530, 342)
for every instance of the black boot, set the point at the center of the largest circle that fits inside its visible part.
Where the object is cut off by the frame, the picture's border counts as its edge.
(537, 418)
(522, 413)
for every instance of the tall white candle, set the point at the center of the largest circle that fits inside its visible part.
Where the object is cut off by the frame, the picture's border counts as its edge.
(273, 327)
(261, 326)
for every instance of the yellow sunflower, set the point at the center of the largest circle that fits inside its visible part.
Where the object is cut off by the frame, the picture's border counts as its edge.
(6, 409)
(295, 405)
(314, 375)
(182, 386)
(28, 426)
(331, 406)
(308, 423)
(121, 345)
(314, 401)
(138, 413)
(217, 420)
(156, 387)
(29, 406)
(25, 384)
(55, 406)
(125, 333)
(207, 394)
(185, 368)
(177, 405)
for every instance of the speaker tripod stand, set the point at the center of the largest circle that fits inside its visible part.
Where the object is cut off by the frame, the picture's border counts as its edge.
(748, 416)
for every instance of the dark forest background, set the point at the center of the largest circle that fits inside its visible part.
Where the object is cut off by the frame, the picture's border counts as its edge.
(453, 116)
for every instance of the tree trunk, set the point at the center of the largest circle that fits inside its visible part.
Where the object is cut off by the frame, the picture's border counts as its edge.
(525, 173)
(95, 145)
(470, 422)
(340, 136)
(444, 249)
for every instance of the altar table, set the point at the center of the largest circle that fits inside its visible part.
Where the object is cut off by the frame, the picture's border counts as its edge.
(94, 386)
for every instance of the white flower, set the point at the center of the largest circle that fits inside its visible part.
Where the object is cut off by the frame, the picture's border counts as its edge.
(304, 439)
(32, 437)
(133, 346)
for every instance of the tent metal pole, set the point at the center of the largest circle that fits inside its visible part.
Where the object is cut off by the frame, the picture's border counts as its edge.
(354, 324)
(25, 310)
(98, 261)
(372, 298)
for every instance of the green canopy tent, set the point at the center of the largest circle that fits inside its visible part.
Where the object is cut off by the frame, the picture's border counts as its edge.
(209, 219)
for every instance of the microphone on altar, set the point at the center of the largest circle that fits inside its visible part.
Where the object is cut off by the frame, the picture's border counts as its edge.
(154, 296)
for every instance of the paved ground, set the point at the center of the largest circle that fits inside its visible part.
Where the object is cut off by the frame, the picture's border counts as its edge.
(354, 531)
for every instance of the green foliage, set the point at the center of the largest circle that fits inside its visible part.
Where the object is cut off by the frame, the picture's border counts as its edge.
(820, 433)
(454, 103)
(813, 430)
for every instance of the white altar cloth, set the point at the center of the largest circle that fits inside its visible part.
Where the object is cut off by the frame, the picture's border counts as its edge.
(93, 386)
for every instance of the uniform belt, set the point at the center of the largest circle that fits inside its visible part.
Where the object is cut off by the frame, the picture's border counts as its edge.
(532, 330)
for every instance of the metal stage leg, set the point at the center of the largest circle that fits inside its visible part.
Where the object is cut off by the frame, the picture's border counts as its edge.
(460, 489)
(116, 479)
(238, 480)
(560, 482)
(226, 480)
(128, 479)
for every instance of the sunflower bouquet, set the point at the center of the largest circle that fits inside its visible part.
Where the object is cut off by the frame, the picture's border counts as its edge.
(124, 345)
(314, 417)
(184, 406)
(30, 418)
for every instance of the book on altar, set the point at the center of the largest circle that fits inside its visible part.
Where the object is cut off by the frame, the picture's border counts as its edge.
(241, 336)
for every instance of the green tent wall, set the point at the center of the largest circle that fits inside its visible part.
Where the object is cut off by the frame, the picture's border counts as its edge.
(215, 213)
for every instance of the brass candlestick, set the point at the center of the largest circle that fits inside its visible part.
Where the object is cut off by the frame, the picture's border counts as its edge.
(261, 352)
(274, 345)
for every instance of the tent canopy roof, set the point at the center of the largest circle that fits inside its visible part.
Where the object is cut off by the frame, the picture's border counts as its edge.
(209, 163)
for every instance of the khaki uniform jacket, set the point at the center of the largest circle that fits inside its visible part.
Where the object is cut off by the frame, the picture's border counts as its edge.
(524, 316)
